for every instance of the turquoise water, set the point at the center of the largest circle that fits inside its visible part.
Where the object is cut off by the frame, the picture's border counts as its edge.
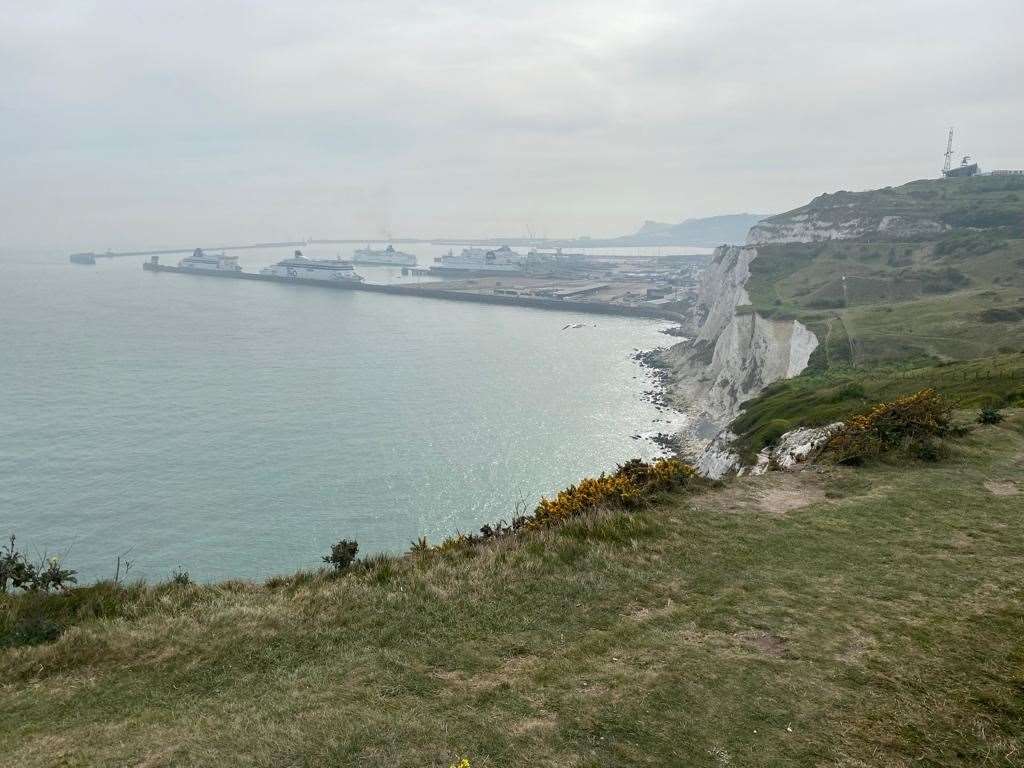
(236, 429)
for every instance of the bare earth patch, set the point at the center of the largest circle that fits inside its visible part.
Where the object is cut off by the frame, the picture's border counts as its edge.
(766, 642)
(781, 500)
(775, 493)
(1001, 487)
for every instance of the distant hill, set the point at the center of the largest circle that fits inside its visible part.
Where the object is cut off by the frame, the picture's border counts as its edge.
(707, 232)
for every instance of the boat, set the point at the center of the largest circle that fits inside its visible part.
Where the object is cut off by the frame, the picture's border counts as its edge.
(210, 262)
(389, 256)
(298, 267)
(82, 258)
(476, 261)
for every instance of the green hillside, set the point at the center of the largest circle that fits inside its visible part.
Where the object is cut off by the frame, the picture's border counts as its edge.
(977, 201)
(888, 311)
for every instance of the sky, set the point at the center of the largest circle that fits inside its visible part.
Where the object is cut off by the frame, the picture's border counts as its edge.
(131, 124)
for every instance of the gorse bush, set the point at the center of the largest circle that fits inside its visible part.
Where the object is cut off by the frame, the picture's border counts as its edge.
(908, 423)
(632, 485)
(628, 487)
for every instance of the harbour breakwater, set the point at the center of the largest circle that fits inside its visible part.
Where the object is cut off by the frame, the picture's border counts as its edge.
(436, 291)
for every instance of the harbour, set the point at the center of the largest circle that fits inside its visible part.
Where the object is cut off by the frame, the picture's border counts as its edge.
(482, 291)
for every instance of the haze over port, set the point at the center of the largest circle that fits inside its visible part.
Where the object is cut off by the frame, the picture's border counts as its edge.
(146, 125)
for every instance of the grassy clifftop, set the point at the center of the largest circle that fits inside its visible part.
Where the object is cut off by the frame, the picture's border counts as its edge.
(973, 202)
(892, 315)
(866, 616)
(956, 294)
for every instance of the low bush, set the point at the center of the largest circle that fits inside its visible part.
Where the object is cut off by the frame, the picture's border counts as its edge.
(909, 424)
(342, 554)
(989, 415)
(630, 486)
(19, 573)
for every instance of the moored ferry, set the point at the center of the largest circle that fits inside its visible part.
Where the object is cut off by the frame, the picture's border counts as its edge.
(328, 270)
(476, 261)
(211, 262)
(389, 256)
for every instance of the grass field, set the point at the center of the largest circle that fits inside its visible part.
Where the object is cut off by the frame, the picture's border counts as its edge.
(853, 617)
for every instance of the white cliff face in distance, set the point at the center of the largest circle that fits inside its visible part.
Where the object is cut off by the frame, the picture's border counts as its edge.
(839, 216)
(733, 357)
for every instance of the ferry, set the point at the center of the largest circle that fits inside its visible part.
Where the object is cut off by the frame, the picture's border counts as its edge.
(476, 261)
(389, 256)
(211, 262)
(327, 270)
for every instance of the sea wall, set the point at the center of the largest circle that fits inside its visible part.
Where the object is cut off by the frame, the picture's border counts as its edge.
(732, 357)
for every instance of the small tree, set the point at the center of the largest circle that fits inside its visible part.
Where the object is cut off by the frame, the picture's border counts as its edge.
(342, 555)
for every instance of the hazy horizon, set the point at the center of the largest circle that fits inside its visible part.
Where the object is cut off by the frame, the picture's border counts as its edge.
(133, 126)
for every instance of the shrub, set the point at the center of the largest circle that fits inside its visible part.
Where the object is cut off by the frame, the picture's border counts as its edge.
(419, 546)
(989, 415)
(772, 432)
(20, 573)
(181, 577)
(628, 487)
(852, 391)
(908, 423)
(342, 555)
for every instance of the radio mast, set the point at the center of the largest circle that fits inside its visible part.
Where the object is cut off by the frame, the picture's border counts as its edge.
(949, 153)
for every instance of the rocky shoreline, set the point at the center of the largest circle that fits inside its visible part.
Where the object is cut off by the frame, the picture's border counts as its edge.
(672, 443)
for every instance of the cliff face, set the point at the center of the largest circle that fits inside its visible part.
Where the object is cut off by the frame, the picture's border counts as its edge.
(843, 216)
(810, 228)
(733, 355)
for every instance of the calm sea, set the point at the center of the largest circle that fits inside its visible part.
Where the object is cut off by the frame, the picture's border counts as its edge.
(237, 429)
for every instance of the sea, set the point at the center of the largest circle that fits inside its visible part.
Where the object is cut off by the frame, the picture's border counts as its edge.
(236, 429)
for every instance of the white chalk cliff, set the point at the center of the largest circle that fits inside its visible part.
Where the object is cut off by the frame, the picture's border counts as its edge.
(733, 356)
(840, 216)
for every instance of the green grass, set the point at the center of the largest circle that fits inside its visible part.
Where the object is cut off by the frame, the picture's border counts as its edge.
(843, 617)
(953, 296)
(820, 397)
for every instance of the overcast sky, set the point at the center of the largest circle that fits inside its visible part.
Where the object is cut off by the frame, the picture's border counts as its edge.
(150, 123)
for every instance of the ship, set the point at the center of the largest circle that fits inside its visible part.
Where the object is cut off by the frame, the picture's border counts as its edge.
(389, 256)
(476, 261)
(82, 258)
(327, 270)
(210, 262)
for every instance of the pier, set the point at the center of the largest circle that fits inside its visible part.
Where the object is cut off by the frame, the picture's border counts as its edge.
(438, 291)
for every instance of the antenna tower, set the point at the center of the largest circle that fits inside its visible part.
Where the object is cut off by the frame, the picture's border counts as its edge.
(949, 152)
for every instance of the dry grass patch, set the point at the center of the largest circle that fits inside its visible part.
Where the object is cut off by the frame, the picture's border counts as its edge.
(1001, 487)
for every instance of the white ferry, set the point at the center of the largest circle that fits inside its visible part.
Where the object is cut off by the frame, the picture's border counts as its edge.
(476, 261)
(389, 256)
(212, 262)
(298, 266)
